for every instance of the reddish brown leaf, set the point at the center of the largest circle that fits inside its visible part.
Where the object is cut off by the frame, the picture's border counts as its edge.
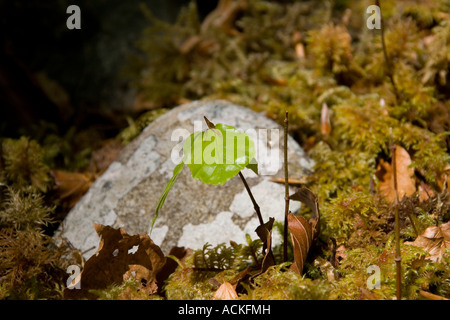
(303, 233)
(264, 232)
(406, 184)
(119, 257)
(301, 237)
(309, 198)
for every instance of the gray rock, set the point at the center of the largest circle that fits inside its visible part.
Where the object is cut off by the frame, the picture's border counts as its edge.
(127, 193)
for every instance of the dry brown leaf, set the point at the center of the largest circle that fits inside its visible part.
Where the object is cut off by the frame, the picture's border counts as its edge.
(425, 192)
(444, 179)
(326, 267)
(435, 240)
(301, 237)
(303, 233)
(264, 232)
(71, 186)
(226, 291)
(309, 198)
(406, 184)
(119, 257)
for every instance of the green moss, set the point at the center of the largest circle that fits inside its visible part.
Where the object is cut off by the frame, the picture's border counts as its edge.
(417, 274)
(23, 164)
(278, 283)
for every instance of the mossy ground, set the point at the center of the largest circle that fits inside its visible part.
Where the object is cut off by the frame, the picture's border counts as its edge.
(272, 57)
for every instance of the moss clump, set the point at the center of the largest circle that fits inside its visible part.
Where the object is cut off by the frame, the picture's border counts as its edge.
(31, 265)
(418, 273)
(278, 283)
(274, 57)
(23, 164)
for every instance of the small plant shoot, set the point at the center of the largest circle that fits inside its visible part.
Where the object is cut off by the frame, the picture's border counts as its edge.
(214, 156)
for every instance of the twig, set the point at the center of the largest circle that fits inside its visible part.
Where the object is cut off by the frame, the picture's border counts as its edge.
(255, 205)
(431, 296)
(398, 256)
(286, 185)
(389, 68)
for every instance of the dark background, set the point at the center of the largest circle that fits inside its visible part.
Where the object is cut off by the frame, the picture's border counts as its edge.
(84, 64)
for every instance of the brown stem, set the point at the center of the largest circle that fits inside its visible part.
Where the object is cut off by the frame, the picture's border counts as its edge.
(286, 185)
(398, 256)
(255, 205)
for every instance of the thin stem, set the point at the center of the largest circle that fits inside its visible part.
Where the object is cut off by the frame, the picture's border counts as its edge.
(255, 205)
(398, 256)
(286, 185)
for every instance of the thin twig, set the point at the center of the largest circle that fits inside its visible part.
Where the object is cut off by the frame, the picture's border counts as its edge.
(255, 205)
(431, 296)
(398, 256)
(286, 185)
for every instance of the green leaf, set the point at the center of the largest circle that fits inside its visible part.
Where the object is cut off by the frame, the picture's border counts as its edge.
(216, 155)
(163, 197)
(253, 165)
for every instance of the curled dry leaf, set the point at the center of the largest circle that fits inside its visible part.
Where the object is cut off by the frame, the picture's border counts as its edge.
(406, 184)
(309, 198)
(226, 291)
(119, 257)
(302, 232)
(301, 237)
(435, 240)
(264, 232)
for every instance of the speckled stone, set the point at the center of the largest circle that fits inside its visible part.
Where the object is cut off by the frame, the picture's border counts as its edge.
(127, 193)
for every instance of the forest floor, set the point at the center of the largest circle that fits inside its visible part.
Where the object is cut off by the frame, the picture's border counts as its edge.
(368, 98)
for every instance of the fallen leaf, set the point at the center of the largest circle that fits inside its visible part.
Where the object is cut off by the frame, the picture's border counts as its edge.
(303, 233)
(435, 240)
(264, 232)
(406, 184)
(226, 291)
(118, 258)
(326, 267)
(301, 237)
(309, 198)
(443, 181)
(71, 186)
(425, 192)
